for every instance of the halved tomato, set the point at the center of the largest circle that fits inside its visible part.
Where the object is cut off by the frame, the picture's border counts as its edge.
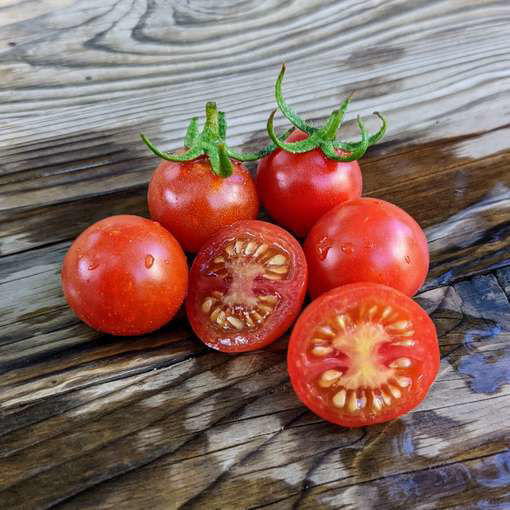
(362, 354)
(247, 286)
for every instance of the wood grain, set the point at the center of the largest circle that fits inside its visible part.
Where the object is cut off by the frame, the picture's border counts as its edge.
(91, 421)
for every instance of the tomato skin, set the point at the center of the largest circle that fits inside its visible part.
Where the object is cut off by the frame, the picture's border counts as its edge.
(297, 189)
(292, 289)
(192, 202)
(303, 370)
(369, 240)
(125, 275)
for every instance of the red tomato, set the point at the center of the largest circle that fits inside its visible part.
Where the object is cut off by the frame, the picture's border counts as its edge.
(297, 189)
(125, 275)
(192, 202)
(366, 240)
(362, 354)
(247, 285)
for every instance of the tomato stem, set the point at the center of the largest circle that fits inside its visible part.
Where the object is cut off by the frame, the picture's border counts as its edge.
(210, 142)
(323, 138)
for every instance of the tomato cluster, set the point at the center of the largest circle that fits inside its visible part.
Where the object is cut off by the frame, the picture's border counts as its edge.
(362, 352)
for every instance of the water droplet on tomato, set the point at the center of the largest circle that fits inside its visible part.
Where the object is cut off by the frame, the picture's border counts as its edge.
(149, 260)
(407, 258)
(92, 265)
(347, 248)
(323, 247)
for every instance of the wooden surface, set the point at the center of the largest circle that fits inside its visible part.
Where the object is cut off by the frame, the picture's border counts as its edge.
(93, 422)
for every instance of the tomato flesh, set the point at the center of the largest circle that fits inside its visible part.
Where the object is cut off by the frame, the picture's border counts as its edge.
(366, 240)
(247, 285)
(192, 202)
(362, 354)
(125, 275)
(286, 180)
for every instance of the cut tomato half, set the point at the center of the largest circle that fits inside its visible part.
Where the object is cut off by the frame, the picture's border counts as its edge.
(247, 286)
(362, 354)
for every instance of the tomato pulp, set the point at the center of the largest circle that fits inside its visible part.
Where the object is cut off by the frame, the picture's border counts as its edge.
(247, 286)
(125, 275)
(297, 189)
(366, 240)
(362, 354)
(192, 202)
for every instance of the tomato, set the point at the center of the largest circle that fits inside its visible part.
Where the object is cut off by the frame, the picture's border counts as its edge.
(193, 202)
(366, 240)
(297, 189)
(125, 275)
(247, 286)
(362, 354)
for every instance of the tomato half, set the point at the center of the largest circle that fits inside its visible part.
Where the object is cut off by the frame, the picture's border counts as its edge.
(192, 202)
(247, 286)
(125, 275)
(366, 240)
(362, 354)
(286, 181)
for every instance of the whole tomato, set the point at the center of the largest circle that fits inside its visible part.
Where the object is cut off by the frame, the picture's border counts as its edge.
(192, 202)
(366, 240)
(297, 189)
(125, 275)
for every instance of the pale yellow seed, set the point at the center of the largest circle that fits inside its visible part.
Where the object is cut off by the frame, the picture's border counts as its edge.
(249, 322)
(404, 343)
(371, 312)
(250, 248)
(339, 399)
(329, 377)
(268, 299)
(326, 331)
(409, 332)
(271, 276)
(219, 260)
(207, 304)
(237, 323)
(401, 363)
(215, 313)
(394, 391)
(353, 402)
(277, 260)
(279, 269)
(257, 316)
(322, 350)
(230, 250)
(238, 247)
(399, 325)
(264, 308)
(341, 320)
(386, 312)
(260, 250)
(221, 318)
(403, 382)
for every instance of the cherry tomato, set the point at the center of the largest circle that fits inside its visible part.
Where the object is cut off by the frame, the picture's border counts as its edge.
(297, 189)
(362, 354)
(125, 275)
(366, 240)
(247, 286)
(192, 202)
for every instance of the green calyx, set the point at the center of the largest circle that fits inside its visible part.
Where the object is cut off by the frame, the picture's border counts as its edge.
(211, 142)
(323, 138)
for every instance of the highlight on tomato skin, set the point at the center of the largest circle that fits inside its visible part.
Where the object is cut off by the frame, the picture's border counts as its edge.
(247, 286)
(362, 354)
(366, 240)
(125, 275)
